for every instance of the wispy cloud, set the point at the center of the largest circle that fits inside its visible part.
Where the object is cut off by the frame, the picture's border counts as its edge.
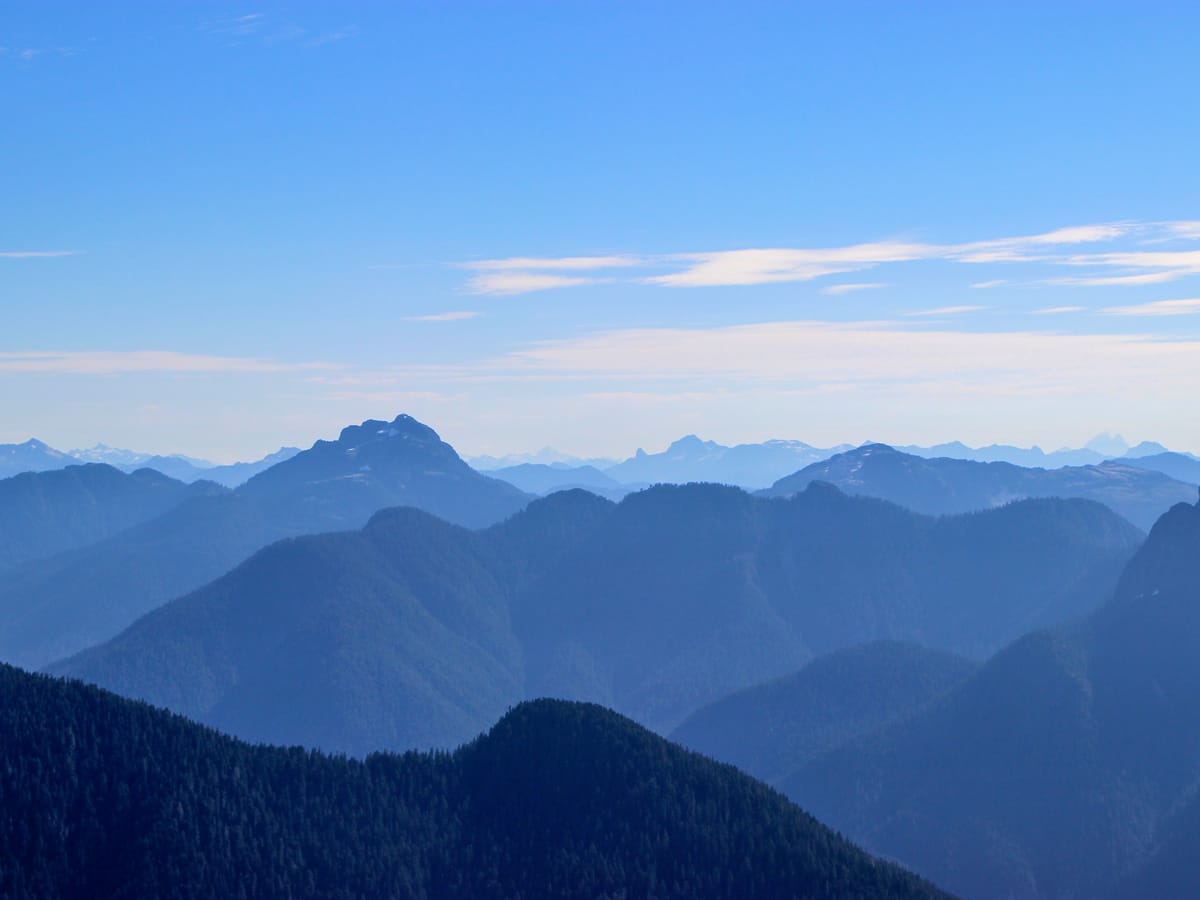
(868, 354)
(36, 254)
(1157, 308)
(1061, 249)
(453, 316)
(263, 28)
(523, 282)
(105, 362)
(985, 285)
(837, 290)
(1058, 310)
(946, 311)
(28, 54)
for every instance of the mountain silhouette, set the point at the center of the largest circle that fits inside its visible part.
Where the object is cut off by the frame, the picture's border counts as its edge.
(942, 486)
(106, 797)
(55, 607)
(414, 633)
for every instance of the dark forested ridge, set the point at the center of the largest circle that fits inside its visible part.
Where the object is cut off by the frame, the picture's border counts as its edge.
(944, 486)
(1067, 766)
(770, 730)
(55, 607)
(107, 797)
(416, 633)
(44, 513)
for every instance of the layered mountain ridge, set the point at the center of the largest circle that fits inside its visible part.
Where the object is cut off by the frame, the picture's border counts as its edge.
(414, 633)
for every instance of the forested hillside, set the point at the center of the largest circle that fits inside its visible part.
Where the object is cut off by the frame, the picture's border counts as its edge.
(416, 633)
(106, 797)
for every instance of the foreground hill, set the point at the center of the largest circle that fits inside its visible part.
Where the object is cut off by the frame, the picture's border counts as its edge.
(105, 797)
(44, 513)
(946, 486)
(415, 633)
(770, 730)
(52, 608)
(1067, 766)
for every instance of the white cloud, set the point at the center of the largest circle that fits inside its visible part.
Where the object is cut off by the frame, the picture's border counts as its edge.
(1058, 310)
(946, 311)
(778, 264)
(106, 362)
(453, 316)
(550, 263)
(770, 265)
(984, 285)
(522, 282)
(1157, 308)
(809, 354)
(36, 254)
(837, 290)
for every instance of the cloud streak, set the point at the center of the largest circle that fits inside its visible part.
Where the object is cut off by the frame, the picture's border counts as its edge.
(1157, 308)
(36, 254)
(453, 316)
(1064, 251)
(106, 362)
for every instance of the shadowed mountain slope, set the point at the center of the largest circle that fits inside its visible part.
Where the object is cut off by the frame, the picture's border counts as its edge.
(655, 606)
(105, 797)
(772, 729)
(1056, 770)
(52, 608)
(945, 486)
(45, 513)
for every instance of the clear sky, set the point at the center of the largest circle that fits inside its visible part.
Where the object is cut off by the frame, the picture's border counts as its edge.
(598, 226)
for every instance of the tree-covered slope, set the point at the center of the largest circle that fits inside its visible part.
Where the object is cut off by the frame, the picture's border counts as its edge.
(44, 513)
(107, 797)
(1056, 769)
(395, 636)
(654, 606)
(55, 607)
(770, 730)
(945, 486)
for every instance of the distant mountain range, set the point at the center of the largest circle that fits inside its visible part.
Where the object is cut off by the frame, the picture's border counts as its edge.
(105, 797)
(752, 466)
(1067, 765)
(53, 607)
(942, 486)
(35, 456)
(416, 633)
(755, 466)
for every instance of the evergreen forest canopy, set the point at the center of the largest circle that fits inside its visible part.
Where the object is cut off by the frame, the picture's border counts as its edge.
(107, 797)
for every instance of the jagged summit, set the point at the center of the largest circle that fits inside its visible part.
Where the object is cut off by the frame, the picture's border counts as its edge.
(403, 426)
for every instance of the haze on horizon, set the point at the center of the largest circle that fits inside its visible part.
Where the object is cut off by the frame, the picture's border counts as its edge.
(598, 227)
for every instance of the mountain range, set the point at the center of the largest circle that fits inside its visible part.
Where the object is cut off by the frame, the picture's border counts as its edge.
(35, 456)
(771, 730)
(1068, 765)
(106, 797)
(943, 486)
(416, 633)
(52, 607)
(50, 512)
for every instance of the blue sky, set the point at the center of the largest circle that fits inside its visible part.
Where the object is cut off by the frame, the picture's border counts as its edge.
(599, 226)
